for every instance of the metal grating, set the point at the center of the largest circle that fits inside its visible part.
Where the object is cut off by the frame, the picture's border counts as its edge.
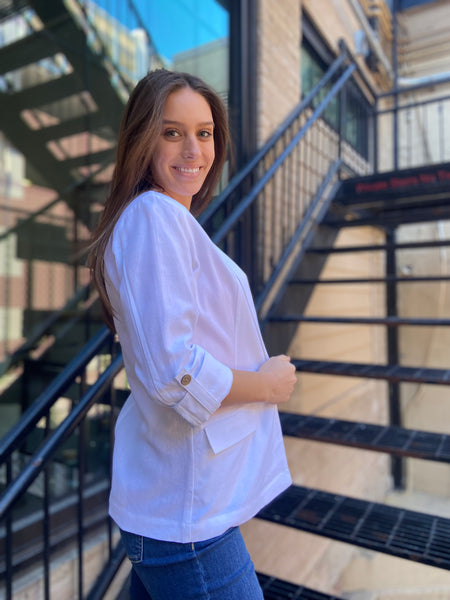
(394, 373)
(380, 438)
(382, 218)
(277, 589)
(362, 280)
(403, 533)
(378, 247)
(389, 321)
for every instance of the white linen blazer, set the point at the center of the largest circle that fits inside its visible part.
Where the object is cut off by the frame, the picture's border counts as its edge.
(185, 469)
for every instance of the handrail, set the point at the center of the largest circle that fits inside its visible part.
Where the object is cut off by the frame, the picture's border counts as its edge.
(260, 155)
(250, 197)
(61, 198)
(39, 331)
(277, 135)
(413, 88)
(53, 442)
(308, 220)
(44, 401)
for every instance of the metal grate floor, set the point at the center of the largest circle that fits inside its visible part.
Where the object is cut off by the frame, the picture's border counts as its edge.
(380, 438)
(395, 373)
(277, 589)
(364, 280)
(389, 321)
(403, 533)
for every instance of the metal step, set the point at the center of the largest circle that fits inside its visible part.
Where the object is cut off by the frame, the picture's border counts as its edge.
(379, 438)
(62, 34)
(95, 120)
(394, 217)
(39, 155)
(379, 247)
(26, 51)
(277, 589)
(399, 186)
(403, 533)
(44, 93)
(389, 321)
(394, 373)
(362, 280)
(89, 159)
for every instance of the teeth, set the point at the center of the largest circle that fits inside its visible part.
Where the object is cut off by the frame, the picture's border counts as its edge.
(186, 170)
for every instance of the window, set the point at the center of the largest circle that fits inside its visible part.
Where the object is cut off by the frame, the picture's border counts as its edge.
(355, 124)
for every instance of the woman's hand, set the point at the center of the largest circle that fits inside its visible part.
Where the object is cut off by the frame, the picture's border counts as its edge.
(272, 383)
(280, 378)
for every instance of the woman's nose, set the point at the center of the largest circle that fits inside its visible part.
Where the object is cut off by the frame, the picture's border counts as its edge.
(191, 147)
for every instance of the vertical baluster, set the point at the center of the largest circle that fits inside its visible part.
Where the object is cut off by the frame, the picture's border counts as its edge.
(8, 537)
(441, 131)
(46, 519)
(408, 138)
(114, 346)
(81, 478)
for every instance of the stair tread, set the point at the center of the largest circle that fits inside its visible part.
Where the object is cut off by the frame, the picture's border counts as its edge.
(387, 372)
(377, 247)
(44, 93)
(72, 126)
(382, 528)
(381, 438)
(88, 159)
(390, 217)
(27, 50)
(402, 185)
(393, 321)
(278, 589)
(387, 279)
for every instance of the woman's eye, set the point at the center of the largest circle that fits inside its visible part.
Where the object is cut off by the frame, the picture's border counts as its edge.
(171, 133)
(205, 133)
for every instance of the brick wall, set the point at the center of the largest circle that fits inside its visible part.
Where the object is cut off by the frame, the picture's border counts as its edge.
(278, 59)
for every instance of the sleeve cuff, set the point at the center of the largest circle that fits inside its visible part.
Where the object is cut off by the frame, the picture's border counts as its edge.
(204, 391)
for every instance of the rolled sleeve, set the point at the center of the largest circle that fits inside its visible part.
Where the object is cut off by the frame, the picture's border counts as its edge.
(152, 283)
(202, 391)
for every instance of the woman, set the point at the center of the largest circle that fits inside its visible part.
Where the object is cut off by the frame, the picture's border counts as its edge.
(198, 447)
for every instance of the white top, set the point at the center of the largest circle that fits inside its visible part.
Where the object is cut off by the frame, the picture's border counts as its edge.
(185, 469)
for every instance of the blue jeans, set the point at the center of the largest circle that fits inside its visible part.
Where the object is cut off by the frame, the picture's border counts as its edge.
(215, 569)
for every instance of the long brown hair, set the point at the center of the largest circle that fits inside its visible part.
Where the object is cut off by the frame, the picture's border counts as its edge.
(138, 134)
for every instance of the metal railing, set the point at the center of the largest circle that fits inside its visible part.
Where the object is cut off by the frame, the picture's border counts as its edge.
(416, 119)
(259, 219)
(42, 273)
(55, 468)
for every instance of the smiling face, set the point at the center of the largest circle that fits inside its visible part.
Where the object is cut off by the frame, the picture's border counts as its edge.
(184, 152)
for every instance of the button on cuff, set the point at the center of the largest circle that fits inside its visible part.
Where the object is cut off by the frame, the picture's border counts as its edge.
(203, 393)
(186, 380)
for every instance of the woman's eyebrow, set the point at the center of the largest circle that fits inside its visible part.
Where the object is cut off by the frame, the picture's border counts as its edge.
(204, 124)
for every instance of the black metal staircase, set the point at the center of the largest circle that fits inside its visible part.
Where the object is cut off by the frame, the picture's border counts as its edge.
(44, 115)
(62, 95)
